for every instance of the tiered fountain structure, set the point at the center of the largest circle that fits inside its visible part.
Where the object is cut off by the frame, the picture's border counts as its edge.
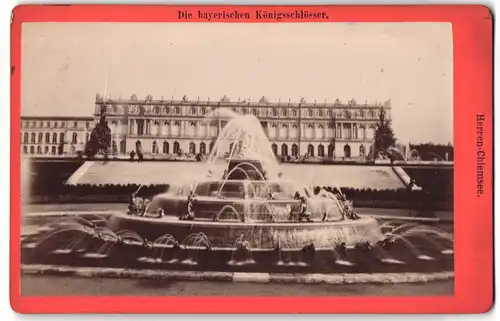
(243, 214)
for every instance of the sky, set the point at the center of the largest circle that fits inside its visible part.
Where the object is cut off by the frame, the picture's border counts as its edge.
(64, 66)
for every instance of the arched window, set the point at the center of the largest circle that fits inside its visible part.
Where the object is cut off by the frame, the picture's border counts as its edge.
(61, 138)
(193, 111)
(47, 138)
(53, 150)
(192, 148)
(177, 149)
(310, 150)
(39, 149)
(32, 149)
(46, 150)
(294, 113)
(155, 148)
(331, 150)
(25, 149)
(321, 151)
(33, 138)
(310, 113)
(40, 138)
(284, 150)
(178, 110)
(166, 148)
(203, 148)
(26, 138)
(123, 145)
(347, 151)
(54, 138)
(275, 113)
(74, 139)
(295, 150)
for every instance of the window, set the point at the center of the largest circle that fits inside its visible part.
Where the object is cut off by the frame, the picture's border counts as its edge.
(140, 127)
(33, 138)
(40, 138)
(321, 151)
(74, 139)
(26, 138)
(75, 124)
(54, 138)
(310, 150)
(61, 138)
(47, 138)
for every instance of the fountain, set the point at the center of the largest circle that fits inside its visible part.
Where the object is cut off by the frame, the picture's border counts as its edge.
(244, 193)
(244, 214)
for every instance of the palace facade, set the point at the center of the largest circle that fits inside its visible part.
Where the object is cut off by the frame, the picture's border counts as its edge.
(44, 135)
(163, 127)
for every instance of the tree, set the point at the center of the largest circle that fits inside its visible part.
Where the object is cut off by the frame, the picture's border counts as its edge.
(384, 136)
(60, 148)
(100, 138)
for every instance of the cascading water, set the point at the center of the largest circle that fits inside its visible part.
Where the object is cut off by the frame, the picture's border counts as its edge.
(245, 208)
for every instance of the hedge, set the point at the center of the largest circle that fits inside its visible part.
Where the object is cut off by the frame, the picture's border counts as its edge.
(109, 193)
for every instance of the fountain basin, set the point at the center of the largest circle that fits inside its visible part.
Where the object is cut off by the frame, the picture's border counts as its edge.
(260, 235)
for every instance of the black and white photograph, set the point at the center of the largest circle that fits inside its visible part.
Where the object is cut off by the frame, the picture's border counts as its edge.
(217, 159)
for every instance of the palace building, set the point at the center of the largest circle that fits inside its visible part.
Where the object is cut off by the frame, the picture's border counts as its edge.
(45, 135)
(170, 127)
(163, 127)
